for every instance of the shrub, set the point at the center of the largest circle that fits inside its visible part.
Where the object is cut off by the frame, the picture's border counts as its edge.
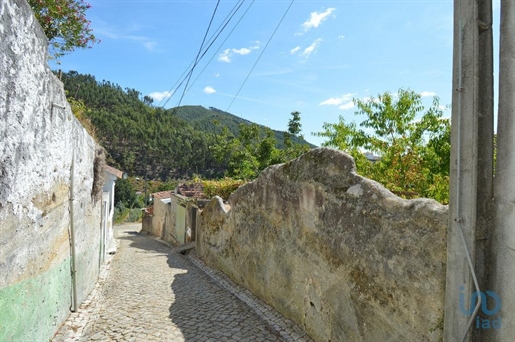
(223, 187)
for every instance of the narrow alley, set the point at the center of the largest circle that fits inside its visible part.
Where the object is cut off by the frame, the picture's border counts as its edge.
(152, 293)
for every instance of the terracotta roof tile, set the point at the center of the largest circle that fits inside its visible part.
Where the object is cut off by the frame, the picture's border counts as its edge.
(113, 171)
(195, 190)
(162, 194)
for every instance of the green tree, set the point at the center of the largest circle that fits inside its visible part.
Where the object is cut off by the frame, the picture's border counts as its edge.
(65, 25)
(414, 153)
(248, 154)
(124, 193)
(294, 125)
(292, 150)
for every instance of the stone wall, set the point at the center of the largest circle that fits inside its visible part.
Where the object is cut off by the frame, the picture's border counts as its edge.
(171, 219)
(169, 233)
(160, 217)
(39, 137)
(335, 252)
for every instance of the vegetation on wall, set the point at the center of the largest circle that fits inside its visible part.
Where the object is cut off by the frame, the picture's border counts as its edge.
(65, 25)
(223, 187)
(413, 144)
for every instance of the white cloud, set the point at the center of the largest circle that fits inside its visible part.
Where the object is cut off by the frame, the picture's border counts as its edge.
(159, 96)
(126, 34)
(312, 48)
(242, 51)
(227, 55)
(427, 94)
(344, 99)
(209, 90)
(295, 50)
(341, 37)
(348, 105)
(316, 19)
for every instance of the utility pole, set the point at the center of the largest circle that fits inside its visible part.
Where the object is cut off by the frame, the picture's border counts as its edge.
(481, 237)
(502, 277)
(461, 237)
(485, 155)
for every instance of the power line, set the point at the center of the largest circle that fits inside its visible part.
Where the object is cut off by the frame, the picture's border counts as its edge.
(199, 52)
(261, 54)
(213, 38)
(226, 38)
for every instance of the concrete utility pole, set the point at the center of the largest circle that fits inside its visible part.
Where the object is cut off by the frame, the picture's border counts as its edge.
(502, 278)
(481, 236)
(461, 247)
(485, 156)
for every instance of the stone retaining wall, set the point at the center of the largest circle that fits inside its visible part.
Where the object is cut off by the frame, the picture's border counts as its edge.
(335, 252)
(39, 137)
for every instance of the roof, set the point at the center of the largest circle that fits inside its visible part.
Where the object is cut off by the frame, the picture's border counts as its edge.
(113, 171)
(195, 190)
(162, 194)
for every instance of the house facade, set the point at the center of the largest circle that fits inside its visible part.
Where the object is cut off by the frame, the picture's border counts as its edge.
(111, 174)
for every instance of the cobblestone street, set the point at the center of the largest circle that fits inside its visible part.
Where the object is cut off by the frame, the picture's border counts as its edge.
(152, 293)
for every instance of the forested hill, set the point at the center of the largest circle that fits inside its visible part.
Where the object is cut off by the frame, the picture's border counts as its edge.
(144, 140)
(211, 120)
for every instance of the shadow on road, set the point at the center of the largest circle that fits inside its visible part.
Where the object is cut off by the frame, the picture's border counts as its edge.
(201, 309)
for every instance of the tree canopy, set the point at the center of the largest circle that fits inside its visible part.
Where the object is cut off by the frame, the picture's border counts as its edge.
(154, 143)
(412, 143)
(254, 149)
(65, 25)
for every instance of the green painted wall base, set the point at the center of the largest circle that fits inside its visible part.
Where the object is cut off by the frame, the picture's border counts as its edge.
(33, 309)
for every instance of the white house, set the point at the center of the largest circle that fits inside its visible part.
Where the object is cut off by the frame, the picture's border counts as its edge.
(111, 174)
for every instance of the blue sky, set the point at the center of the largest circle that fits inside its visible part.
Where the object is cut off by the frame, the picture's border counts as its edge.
(322, 55)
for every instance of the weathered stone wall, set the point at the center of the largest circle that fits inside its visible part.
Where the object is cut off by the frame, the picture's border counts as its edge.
(37, 143)
(159, 218)
(169, 227)
(335, 252)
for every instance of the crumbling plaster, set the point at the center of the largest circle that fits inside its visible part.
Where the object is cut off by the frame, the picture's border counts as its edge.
(39, 137)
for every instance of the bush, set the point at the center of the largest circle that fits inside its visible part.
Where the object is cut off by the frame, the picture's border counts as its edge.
(223, 187)
(134, 215)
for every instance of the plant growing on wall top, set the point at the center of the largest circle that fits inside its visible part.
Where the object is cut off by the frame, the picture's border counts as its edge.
(65, 25)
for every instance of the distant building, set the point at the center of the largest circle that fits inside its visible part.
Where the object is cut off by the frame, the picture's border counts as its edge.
(371, 157)
(110, 175)
(173, 216)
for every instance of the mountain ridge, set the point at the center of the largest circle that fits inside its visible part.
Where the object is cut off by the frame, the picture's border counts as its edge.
(153, 142)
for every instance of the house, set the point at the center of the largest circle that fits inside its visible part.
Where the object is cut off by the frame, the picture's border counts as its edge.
(111, 174)
(161, 214)
(173, 216)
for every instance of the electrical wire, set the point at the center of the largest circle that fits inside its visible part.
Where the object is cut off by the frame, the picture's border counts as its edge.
(226, 38)
(212, 39)
(261, 54)
(199, 52)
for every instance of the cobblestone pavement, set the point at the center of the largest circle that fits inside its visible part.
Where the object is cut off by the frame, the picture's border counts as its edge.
(149, 292)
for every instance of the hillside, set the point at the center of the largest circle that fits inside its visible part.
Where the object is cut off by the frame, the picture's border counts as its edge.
(152, 142)
(211, 120)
